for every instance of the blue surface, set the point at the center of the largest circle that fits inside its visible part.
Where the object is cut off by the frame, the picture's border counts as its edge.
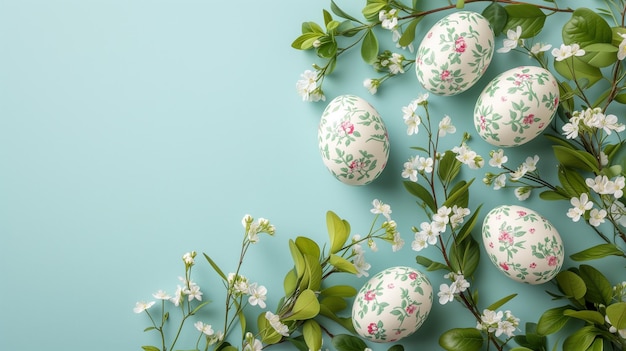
(132, 132)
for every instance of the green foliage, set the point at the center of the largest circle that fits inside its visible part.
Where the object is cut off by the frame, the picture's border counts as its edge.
(462, 339)
(527, 16)
(497, 16)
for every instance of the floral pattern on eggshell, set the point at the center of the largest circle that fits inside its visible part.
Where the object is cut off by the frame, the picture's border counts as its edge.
(516, 106)
(392, 304)
(522, 244)
(455, 53)
(353, 140)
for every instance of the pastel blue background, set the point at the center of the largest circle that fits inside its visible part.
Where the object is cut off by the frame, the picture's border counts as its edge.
(132, 132)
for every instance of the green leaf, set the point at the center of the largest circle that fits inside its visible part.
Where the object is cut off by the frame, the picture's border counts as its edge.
(552, 320)
(216, 268)
(409, 32)
(337, 231)
(397, 347)
(340, 291)
(497, 17)
(150, 348)
(312, 27)
(532, 339)
(369, 47)
(226, 347)
(577, 159)
(371, 10)
(339, 12)
(571, 284)
(149, 328)
(575, 69)
(195, 310)
(529, 17)
(449, 167)
(306, 307)
(599, 289)
(313, 271)
(312, 333)
(342, 264)
(581, 339)
(552, 195)
(327, 17)
(344, 342)
(597, 252)
(593, 317)
(571, 180)
(462, 339)
(465, 256)
(617, 314)
(469, 225)
(328, 49)
(460, 4)
(290, 282)
(494, 306)
(459, 195)
(305, 41)
(559, 140)
(421, 193)
(599, 55)
(308, 247)
(430, 264)
(334, 303)
(298, 259)
(586, 27)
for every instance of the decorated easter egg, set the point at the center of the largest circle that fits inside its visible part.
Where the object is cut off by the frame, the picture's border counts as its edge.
(392, 305)
(516, 106)
(522, 244)
(455, 53)
(353, 140)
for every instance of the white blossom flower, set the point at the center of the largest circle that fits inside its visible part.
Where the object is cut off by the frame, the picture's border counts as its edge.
(621, 51)
(442, 215)
(512, 40)
(498, 158)
(596, 217)
(540, 47)
(205, 329)
(616, 187)
(410, 170)
(610, 123)
(398, 242)
(275, 322)
(458, 215)
(522, 193)
(446, 293)
(389, 19)
(371, 85)
(251, 343)
(505, 327)
(188, 258)
(307, 87)
(381, 208)
(238, 283)
(396, 63)
(467, 156)
(420, 242)
(598, 184)
(531, 163)
(445, 126)
(395, 37)
(411, 119)
(581, 205)
(567, 51)
(142, 306)
(178, 296)
(161, 295)
(618, 212)
(499, 182)
(430, 232)
(372, 245)
(361, 265)
(425, 164)
(258, 295)
(519, 173)
(193, 292)
(459, 283)
(489, 320)
(571, 129)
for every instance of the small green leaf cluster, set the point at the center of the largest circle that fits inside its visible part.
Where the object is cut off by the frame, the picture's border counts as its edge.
(595, 308)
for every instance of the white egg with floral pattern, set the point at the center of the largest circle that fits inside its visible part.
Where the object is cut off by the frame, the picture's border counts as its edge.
(353, 140)
(516, 106)
(522, 244)
(454, 53)
(392, 305)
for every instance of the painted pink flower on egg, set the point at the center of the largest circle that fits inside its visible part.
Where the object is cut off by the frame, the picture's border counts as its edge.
(459, 45)
(347, 127)
(521, 213)
(505, 237)
(552, 261)
(445, 75)
(370, 295)
(533, 265)
(504, 266)
(391, 286)
(410, 309)
(372, 328)
(529, 119)
(412, 275)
